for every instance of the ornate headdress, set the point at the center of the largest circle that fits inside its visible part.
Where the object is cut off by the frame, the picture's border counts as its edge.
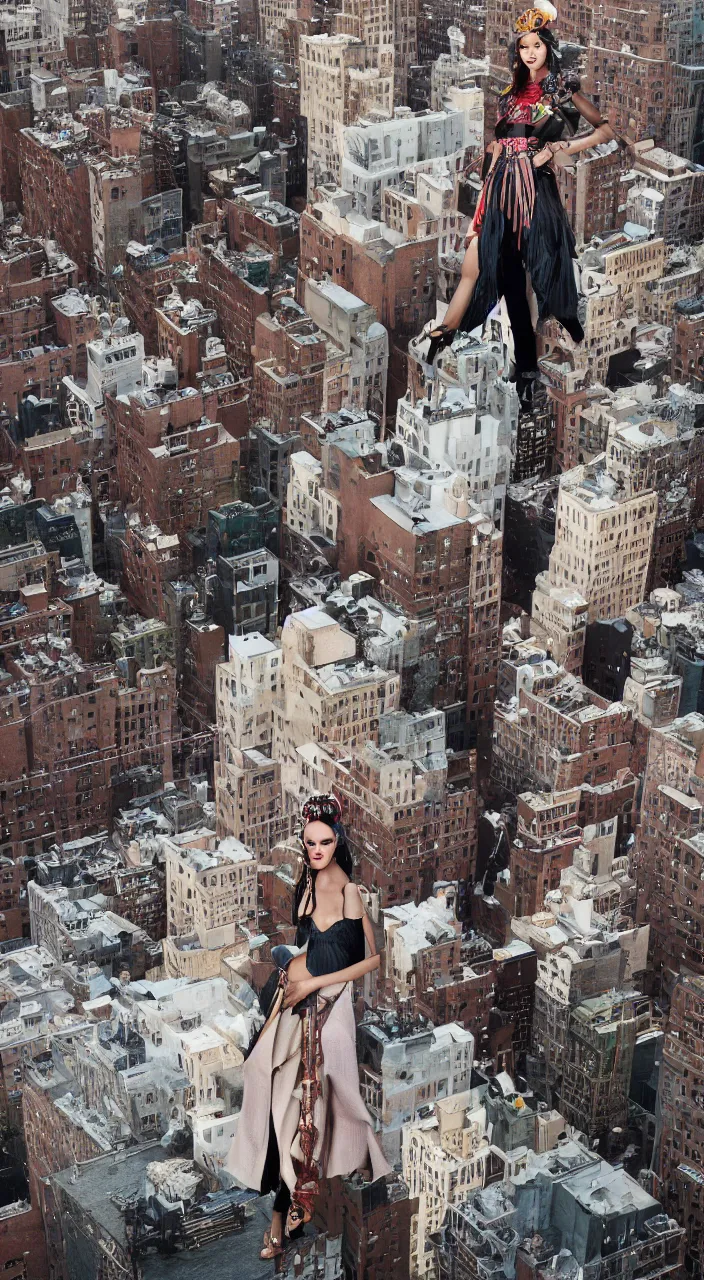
(535, 19)
(323, 808)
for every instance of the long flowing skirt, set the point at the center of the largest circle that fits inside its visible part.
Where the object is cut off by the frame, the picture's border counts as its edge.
(528, 200)
(328, 1109)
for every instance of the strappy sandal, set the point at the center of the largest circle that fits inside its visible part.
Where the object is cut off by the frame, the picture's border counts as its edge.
(272, 1247)
(440, 337)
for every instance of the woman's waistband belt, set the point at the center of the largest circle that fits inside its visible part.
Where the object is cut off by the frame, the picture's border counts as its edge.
(517, 131)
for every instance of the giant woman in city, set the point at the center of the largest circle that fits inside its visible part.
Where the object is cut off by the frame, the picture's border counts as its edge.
(520, 227)
(302, 1115)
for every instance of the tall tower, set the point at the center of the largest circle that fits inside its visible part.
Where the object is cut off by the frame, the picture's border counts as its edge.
(372, 22)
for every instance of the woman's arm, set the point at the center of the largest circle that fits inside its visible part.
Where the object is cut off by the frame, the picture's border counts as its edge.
(296, 991)
(354, 910)
(586, 108)
(602, 131)
(369, 934)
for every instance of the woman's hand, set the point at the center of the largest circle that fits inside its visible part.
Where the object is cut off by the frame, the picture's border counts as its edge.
(561, 152)
(297, 991)
(544, 156)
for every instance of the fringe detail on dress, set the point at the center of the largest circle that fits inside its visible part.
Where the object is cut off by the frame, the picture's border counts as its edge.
(515, 189)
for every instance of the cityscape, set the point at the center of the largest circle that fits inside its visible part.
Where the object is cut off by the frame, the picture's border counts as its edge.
(262, 539)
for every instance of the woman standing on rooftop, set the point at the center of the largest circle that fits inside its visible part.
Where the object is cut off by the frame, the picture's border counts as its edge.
(302, 1115)
(520, 227)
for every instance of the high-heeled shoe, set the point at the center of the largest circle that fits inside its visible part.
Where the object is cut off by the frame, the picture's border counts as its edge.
(440, 337)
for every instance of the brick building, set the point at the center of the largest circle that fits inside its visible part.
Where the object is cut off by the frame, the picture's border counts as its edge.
(15, 114)
(52, 461)
(55, 187)
(36, 371)
(40, 341)
(374, 1221)
(203, 649)
(241, 287)
(515, 971)
(153, 42)
(465, 995)
(289, 369)
(149, 276)
(173, 463)
(254, 220)
(688, 343)
(397, 279)
(76, 325)
(435, 555)
(678, 1148)
(547, 832)
(667, 854)
(569, 737)
(70, 731)
(592, 192)
(150, 560)
(116, 189)
(187, 335)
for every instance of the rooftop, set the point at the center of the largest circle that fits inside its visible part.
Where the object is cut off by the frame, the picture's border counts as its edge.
(254, 645)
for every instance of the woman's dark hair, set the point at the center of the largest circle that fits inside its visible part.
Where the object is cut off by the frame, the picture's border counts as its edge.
(324, 809)
(521, 74)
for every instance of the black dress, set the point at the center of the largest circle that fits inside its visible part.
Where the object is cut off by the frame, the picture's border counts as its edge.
(521, 222)
(340, 945)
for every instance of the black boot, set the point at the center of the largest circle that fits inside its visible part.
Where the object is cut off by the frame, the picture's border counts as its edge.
(525, 386)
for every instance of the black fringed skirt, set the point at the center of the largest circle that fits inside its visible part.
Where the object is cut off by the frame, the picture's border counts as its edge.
(527, 199)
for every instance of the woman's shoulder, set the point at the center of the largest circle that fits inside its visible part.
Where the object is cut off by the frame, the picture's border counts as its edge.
(354, 907)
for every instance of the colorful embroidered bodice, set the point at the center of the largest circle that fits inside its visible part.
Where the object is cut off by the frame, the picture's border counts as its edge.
(532, 105)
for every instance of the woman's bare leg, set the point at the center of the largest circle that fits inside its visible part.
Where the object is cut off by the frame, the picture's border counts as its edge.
(463, 293)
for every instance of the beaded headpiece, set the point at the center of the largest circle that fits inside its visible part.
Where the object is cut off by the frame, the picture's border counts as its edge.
(323, 808)
(535, 19)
